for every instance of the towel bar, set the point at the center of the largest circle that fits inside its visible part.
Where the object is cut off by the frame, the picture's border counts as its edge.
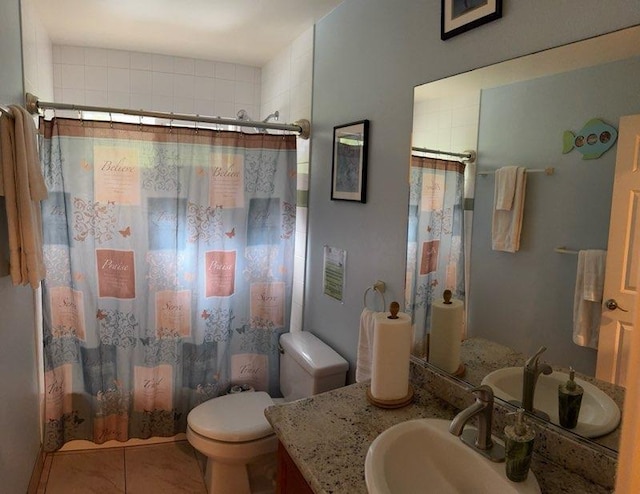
(379, 287)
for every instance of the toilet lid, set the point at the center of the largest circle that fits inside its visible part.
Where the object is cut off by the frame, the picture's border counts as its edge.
(233, 418)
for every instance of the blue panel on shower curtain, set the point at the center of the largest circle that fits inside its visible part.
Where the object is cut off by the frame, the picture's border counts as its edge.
(167, 219)
(263, 224)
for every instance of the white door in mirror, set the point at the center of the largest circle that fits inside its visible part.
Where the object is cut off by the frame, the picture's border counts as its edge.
(423, 456)
(623, 256)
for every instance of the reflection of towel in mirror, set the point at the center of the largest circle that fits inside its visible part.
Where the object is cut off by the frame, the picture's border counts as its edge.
(508, 206)
(365, 346)
(587, 308)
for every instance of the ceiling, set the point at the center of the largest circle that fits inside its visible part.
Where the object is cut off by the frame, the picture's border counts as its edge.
(247, 32)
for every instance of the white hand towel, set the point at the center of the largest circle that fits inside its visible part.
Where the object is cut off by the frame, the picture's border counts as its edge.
(594, 266)
(587, 300)
(365, 346)
(505, 187)
(507, 225)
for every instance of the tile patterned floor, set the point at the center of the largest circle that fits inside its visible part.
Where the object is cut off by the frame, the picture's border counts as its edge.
(169, 468)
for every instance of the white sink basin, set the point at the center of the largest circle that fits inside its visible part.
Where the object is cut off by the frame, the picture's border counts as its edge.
(423, 456)
(599, 414)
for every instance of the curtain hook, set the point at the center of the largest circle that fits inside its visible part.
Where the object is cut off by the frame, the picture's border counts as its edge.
(196, 123)
(140, 121)
(81, 117)
(110, 120)
(171, 123)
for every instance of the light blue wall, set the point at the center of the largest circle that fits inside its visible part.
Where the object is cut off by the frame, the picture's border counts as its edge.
(19, 421)
(369, 54)
(525, 300)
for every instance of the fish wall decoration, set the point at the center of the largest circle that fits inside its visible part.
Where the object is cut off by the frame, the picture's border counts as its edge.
(592, 141)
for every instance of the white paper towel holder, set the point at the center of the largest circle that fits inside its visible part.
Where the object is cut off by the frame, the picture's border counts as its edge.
(394, 307)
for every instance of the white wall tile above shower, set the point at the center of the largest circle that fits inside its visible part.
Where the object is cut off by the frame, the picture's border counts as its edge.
(119, 99)
(142, 101)
(182, 65)
(141, 81)
(141, 61)
(224, 91)
(245, 73)
(96, 98)
(118, 80)
(73, 55)
(225, 70)
(95, 78)
(96, 56)
(162, 84)
(183, 85)
(72, 76)
(244, 94)
(204, 88)
(162, 63)
(205, 68)
(119, 59)
(182, 104)
(73, 96)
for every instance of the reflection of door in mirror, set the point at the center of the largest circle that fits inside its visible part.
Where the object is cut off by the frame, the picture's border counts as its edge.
(435, 256)
(622, 257)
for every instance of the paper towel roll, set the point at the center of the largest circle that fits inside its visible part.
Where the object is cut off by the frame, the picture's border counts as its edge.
(445, 335)
(391, 350)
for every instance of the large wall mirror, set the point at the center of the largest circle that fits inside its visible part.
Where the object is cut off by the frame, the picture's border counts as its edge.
(526, 112)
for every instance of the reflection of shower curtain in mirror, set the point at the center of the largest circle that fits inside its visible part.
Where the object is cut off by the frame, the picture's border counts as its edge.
(169, 256)
(435, 248)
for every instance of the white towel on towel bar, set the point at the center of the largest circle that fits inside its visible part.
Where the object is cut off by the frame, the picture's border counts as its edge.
(507, 224)
(506, 187)
(365, 345)
(587, 301)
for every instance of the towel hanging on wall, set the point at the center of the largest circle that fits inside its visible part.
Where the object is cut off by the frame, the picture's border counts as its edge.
(508, 208)
(23, 187)
(587, 301)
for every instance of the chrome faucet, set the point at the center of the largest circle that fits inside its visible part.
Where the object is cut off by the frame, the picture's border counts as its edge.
(533, 369)
(479, 440)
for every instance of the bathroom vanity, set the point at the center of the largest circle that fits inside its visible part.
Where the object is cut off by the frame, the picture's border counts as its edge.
(326, 438)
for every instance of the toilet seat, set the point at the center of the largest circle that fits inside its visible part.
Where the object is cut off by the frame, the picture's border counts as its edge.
(232, 418)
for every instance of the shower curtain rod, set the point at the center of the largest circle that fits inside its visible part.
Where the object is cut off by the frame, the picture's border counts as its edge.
(5, 110)
(467, 155)
(302, 127)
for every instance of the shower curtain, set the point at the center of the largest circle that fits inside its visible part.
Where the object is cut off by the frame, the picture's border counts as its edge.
(435, 247)
(169, 257)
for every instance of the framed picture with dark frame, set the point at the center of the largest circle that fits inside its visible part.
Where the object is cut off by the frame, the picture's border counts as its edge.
(349, 170)
(459, 16)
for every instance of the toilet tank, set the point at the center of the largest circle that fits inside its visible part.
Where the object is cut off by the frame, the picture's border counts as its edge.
(309, 366)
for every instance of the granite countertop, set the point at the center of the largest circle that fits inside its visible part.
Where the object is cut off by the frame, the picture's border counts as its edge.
(328, 436)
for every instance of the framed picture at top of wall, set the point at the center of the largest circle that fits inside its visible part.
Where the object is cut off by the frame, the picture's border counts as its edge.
(459, 16)
(349, 171)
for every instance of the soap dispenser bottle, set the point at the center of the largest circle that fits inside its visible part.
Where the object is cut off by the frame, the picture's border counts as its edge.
(518, 447)
(569, 401)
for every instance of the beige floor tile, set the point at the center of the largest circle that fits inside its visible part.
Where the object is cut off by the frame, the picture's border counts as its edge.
(87, 472)
(163, 469)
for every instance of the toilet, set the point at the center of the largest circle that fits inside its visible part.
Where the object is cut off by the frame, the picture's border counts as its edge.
(232, 431)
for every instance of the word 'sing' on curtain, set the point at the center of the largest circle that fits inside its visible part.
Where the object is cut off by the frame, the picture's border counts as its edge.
(169, 256)
(435, 247)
